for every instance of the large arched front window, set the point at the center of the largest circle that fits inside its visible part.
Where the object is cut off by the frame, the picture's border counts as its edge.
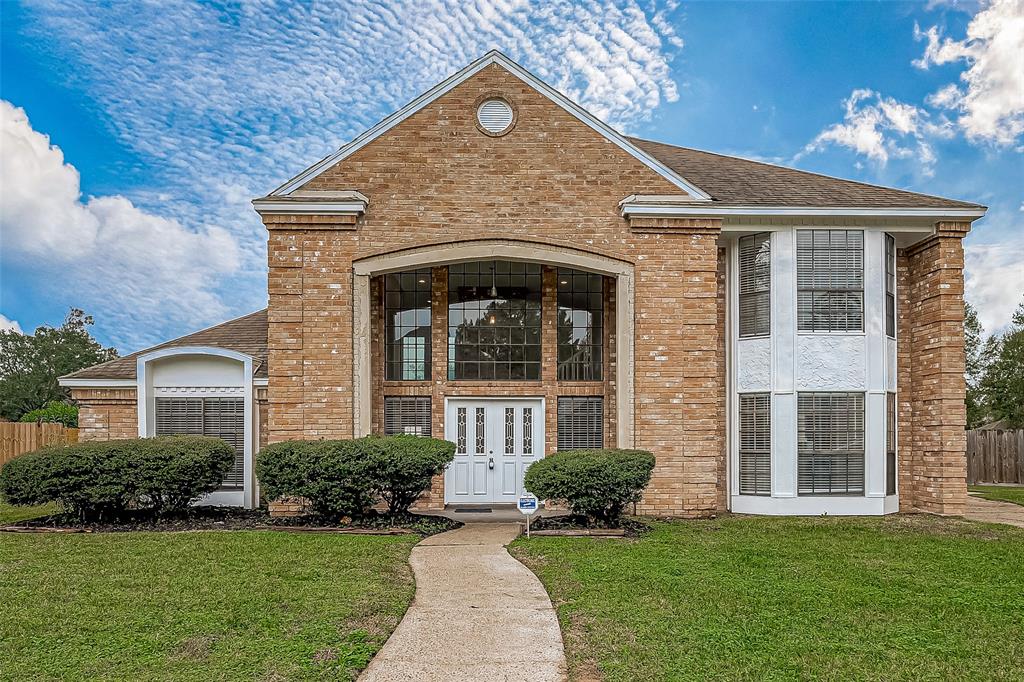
(494, 321)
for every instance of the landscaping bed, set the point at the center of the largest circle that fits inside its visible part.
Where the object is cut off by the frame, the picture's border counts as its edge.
(904, 597)
(570, 525)
(233, 518)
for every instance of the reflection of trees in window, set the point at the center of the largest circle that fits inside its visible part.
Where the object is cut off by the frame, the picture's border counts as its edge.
(580, 308)
(494, 321)
(407, 325)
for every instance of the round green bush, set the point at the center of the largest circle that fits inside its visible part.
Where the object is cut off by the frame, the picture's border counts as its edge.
(346, 477)
(56, 412)
(597, 484)
(101, 480)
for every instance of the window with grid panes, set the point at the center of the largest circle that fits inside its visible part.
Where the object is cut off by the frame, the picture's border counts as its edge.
(494, 321)
(407, 325)
(407, 415)
(890, 286)
(830, 443)
(830, 280)
(755, 444)
(580, 423)
(201, 416)
(580, 324)
(755, 284)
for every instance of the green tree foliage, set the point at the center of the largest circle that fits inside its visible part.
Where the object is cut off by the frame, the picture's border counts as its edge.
(974, 349)
(31, 364)
(54, 412)
(1002, 384)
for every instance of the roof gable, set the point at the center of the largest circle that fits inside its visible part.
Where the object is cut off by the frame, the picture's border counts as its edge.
(693, 192)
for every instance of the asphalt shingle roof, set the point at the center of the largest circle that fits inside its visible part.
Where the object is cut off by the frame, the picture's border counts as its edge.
(732, 181)
(246, 334)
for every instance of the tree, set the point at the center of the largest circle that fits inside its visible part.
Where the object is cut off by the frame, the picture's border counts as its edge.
(31, 364)
(975, 357)
(1003, 382)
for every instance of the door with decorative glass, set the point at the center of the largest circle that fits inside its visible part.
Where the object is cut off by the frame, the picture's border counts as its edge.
(496, 440)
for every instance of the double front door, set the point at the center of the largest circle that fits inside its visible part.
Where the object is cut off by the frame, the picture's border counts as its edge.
(496, 440)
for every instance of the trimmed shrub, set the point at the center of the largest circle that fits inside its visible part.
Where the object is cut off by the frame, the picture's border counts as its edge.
(597, 484)
(346, 477)
(402, 467)
(103, 479)
(55, 412)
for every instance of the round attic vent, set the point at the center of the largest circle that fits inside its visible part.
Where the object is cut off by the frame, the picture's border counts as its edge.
(495, 116)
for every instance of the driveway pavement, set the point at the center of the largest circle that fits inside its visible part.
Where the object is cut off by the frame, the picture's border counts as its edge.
(994, 511)
(478, 614)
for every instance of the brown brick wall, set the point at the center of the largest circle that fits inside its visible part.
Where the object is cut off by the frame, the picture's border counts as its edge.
(435, 179)
(106, 414)
(932, 345)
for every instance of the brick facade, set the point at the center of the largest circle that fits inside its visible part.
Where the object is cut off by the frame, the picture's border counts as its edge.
(106, 414)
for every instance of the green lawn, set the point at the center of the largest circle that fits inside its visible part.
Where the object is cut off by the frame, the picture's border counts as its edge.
(904, 597)
(249, 605)
(11, 514)
(1006, 493)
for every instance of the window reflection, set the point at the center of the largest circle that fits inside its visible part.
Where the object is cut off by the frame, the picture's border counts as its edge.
(407, 325)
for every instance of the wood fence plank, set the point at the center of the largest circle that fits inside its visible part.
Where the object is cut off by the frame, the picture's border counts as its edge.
(17, 438)
(995, 456)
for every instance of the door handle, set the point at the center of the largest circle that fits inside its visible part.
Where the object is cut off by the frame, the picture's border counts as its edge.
(490, 463)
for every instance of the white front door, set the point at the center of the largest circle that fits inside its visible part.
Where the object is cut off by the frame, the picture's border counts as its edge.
(495, 441)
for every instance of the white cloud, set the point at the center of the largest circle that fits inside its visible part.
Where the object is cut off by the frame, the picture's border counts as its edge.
(994, 280)
(9, 325)
(228, 100)
(990, 102)
(881, 128)
(125, 265)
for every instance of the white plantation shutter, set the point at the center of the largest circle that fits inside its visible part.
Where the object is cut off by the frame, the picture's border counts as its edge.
(216, 417)
(755, 284)
(755, 444)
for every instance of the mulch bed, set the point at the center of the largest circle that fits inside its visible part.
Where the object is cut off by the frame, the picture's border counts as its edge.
(580, 526)
(232, 518)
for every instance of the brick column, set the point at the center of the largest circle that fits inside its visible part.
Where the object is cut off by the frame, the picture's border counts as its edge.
(678, 380)
(934, 341)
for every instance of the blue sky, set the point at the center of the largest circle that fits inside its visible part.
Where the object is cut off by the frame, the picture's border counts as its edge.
(135, 134)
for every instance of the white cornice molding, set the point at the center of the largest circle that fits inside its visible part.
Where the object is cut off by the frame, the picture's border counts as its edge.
(445, 86)
(287, 206)
(71, 382)
(630, 207)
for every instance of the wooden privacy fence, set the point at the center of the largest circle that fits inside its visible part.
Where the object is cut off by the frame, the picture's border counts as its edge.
(995, 456)
(16, 438)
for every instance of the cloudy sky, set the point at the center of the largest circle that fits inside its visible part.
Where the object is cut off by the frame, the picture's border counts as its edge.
(133, 135)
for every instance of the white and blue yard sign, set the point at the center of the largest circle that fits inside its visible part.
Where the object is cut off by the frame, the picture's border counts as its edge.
(527, 503)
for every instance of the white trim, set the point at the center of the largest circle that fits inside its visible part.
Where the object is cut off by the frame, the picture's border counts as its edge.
(445, 86)
(664, 210)
(808, 505)
(309, 207)
(96, 383)
(261, 382)
(142, 401)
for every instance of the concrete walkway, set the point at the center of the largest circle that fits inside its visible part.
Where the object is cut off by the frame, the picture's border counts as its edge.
(994, 511)
(478, 614)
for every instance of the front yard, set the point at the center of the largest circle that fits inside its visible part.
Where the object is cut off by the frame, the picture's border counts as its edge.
(1003, 493)
(904, 597)
(248, 605)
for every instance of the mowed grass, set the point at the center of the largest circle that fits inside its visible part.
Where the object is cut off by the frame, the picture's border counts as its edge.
(242, 605)
(11, 514)
(1005, 493)
(895, 598)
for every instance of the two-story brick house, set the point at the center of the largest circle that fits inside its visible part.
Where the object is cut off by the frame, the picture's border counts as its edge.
(495, 266)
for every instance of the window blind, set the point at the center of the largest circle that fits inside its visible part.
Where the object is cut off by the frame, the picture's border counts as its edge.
(890, 286)
(830, 280)
(216, 417)
(755, 284)
(755, 444)
(890, 443)
(580, 423)
(409, 415)
(830, 443)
